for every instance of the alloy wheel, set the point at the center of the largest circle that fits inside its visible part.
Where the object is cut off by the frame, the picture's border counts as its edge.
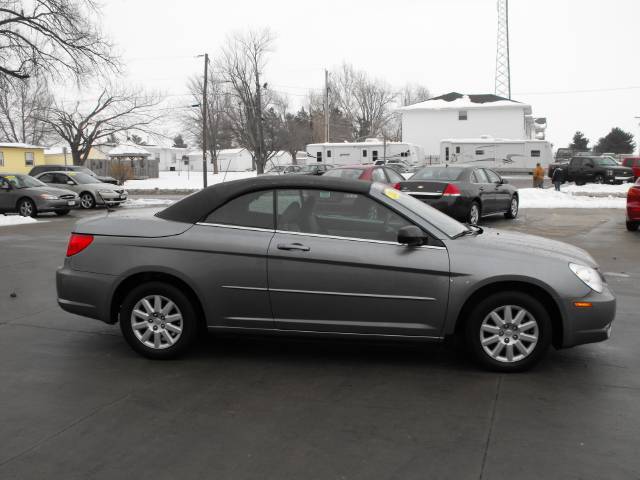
(156, 322)
(509, 333)
(86, 201)
(474, 214)
(514, 207)
(26, 208)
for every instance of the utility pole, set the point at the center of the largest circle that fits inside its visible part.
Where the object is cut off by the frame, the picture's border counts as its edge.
(204, 120)
(260, 163)
(326, 105)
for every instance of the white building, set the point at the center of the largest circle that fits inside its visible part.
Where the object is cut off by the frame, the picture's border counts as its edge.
(455, 115)
(169, 158)
(232, 160)
(351, 153)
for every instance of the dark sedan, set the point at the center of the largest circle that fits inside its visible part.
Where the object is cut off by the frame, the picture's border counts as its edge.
(29, 196)
(328, 257)
(465, 193)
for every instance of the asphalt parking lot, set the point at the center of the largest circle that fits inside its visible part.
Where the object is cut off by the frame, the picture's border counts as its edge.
(77, 403)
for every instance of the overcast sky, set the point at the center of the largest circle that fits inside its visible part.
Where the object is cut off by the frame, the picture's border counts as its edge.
(572, 60)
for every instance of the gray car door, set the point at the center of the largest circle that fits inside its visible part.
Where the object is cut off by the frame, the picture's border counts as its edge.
(335, 266)
(7, 195)
(502, 195)
(230, 248)
(486, 191)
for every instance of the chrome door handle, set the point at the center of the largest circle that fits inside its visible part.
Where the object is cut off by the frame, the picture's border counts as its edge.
(293, 246)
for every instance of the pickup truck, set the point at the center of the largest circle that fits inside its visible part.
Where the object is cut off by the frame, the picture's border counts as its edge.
(583, 170)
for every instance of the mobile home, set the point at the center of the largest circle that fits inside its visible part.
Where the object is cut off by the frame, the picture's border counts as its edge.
(369, 151)
(517, 156)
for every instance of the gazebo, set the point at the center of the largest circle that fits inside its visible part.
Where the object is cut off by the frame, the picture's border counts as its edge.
(141, 165)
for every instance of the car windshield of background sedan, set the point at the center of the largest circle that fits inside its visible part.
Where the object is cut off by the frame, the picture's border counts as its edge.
(351, 173)
(23, 181)
(439, 173)
(82, 178)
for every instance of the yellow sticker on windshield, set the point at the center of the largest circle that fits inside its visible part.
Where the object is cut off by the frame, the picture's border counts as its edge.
(10, 177)
(392, 193)
(71, 174)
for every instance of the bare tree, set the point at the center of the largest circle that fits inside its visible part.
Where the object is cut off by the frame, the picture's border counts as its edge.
(53, 37)
(116, 110)
(241, 65)
(413, 93)
(24, 108)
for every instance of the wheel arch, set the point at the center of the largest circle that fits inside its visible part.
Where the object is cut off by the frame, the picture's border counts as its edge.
(531, 289)
(26, 197)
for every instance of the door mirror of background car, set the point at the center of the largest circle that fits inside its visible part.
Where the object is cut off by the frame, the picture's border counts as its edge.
(503, 181)
(412, 236)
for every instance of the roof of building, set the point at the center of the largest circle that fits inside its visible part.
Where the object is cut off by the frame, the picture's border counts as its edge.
(197, 206)
(126, 150)
(18, 145)
(457, 101)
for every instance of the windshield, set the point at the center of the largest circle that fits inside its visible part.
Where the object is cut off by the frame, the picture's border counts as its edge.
(352, 173)
(82, 178)
(606, 162)
(441, 221)
(23, 181)
(438, 173)
(86, 171)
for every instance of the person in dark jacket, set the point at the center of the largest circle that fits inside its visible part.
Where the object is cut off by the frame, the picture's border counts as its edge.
(558, 178)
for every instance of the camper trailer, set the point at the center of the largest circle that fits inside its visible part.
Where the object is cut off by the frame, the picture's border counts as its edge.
(369, 151)
(510, 156)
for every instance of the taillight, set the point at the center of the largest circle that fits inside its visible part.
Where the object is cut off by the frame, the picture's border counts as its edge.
(634, 193)
(77, 243)
(396, 186)
(451, 191)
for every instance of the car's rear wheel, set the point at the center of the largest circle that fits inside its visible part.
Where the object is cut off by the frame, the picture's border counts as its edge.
(513, 208)
(508, 331)
(632, 226)
(61, 213)
(27, 208)
(87, 201)
(598, 179)
(158, 320)
(473, 217)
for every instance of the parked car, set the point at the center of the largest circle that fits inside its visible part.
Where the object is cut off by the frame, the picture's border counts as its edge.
(70, 168)
(398, 165)
(368, 173)
(324, 256)
(634, 164)
(463, 192)
(594, 169)
(633, 207)
(91, 192)
(315, 169)
(29, 197)
(283, 170)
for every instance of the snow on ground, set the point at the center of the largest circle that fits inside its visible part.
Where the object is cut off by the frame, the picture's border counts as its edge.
(183, 181)
(549, 198)
(6, 220)
(604, 189)
(148, 202)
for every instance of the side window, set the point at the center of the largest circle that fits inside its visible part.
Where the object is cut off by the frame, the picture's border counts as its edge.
(250, 210)
(492, 176)
(479, 152)
(394, 177)
(446, 154)
(378, 175)
(481, 177)
(374, 155)
(59, 178)
(457, 149)
(318, 156)
(328, 153)
(338, 214)
(535, 153)
(462, 114)
(46, 178)
(364, 153)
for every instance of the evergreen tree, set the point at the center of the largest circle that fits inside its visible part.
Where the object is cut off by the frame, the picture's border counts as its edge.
(178, 142)
(580, 142)
(616, 141)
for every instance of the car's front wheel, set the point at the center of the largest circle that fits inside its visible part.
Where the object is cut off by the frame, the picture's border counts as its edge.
(598, 179)
(632, 226)
(513, 208)
(508, 331)
(87, 201)
(158, 320)
(27, 208)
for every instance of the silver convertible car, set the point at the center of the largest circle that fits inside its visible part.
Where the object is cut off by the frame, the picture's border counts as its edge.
(307, 255)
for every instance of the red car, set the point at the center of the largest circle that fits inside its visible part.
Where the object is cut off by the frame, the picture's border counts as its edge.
(369, 173)
(633, 207)
(634, 164)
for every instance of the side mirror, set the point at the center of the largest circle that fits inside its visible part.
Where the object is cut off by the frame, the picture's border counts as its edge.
(411, 236)
(503, 181)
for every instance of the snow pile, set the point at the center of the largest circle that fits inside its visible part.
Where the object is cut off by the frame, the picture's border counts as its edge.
(183, 181)
(148, 202)
(6, 220)
(549, 198)
(599, 189)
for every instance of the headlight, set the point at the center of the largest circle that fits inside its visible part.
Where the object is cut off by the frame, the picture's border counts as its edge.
(46, 196)
(106, 191)
(588, 275)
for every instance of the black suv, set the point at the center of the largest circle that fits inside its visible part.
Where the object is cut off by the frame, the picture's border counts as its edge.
(70, 168)
(596, 170)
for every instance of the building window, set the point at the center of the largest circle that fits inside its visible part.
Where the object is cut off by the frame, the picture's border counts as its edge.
(479, 152)
(364, 153)
(535, 153)
(28, 159)
(1, 159)
(458, 149)
(328, 153)
(446, 154)
(375, 155)
(462, 115)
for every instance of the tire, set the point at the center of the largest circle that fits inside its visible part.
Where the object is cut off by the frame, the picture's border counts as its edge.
(87, 201)
(598, 179)
(513, 208)
(580, 183)
(494, 355)
(27, 208)
(151, 336)
(62, 213)
(473, 217)
(632, 226)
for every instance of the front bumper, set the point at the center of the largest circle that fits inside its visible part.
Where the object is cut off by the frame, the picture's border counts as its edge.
(85, 293)
(112, 199)
(56, 205)
(591, 324)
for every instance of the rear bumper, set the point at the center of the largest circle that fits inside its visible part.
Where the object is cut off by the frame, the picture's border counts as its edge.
(592, 324)
(85, 293)
(456, 207)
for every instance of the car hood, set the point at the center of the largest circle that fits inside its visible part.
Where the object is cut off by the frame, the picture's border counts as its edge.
(140, 224)
(534, 247)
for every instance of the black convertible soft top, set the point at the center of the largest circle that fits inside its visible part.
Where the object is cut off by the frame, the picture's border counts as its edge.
(197, 206)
